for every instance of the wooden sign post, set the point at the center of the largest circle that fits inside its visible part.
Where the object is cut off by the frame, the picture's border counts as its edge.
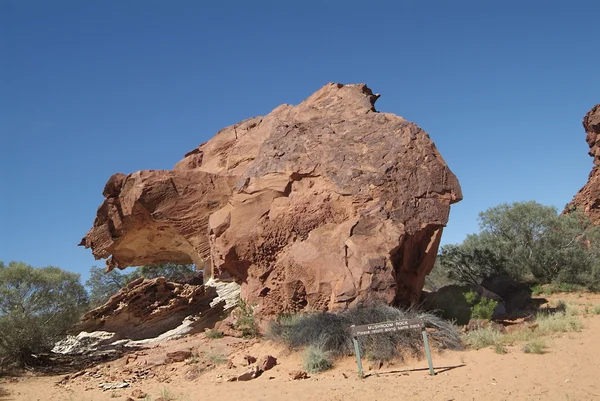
(389, 327)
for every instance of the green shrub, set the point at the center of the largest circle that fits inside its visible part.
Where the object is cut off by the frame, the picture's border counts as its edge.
(245, 321)
(481, 307)
(596, 310)
(499, 349)
(316, 360)
(537, 290)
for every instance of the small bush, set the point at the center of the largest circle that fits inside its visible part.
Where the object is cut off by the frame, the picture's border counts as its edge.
(499, 349)
(329, 332)
(213, 334)
(245, 321)
(596, 310)
(481, 307)
(483, 338)
(534, 347)
(558, 322)
(537, 290)
(217, 359)
(166, 395)
(316, 360)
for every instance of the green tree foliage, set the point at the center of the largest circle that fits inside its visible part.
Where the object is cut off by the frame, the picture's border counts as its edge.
(171, 271)
(528, 241)
(103, 285)
(37, 307)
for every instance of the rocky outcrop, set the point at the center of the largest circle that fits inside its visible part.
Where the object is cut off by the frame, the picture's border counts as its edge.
(146, 309)
(316, 206)
(588, 197)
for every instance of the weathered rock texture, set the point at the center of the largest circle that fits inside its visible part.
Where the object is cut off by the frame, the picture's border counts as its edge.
(319, 206)
(588, 197)
(148, 308)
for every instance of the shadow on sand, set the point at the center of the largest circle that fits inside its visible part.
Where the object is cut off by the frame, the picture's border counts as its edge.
(438, 370)
(5, 394)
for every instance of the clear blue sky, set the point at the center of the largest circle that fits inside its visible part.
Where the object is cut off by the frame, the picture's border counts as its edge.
(90, 88)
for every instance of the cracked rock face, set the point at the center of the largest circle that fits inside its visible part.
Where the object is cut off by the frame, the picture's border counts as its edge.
(316, 206)
(146, 308)
(588, 197)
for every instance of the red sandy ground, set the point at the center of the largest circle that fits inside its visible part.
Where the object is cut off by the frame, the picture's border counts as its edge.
(568, 370)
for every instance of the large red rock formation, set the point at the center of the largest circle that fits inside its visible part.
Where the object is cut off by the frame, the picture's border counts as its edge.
(319, 206)
(588, 197)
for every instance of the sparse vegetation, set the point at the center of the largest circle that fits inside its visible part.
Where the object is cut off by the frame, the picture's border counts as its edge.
(546, 323)
(329, 332)
(534, 347)
(213, 334)
(245, 322)
(316, 360)
(483, 338)
(499, 349)
(596, 310)
(536, 290)
(166, 395)
(216, 358)
(558, 322)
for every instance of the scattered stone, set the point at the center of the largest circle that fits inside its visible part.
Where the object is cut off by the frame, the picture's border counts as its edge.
(299, 375)
(138, 393)
(192, 373)
(129, 359)
(249, 375)
(376, 365)
(113, 386)
(249, 359)
(84, 343)
(267, 362)
(178, 356)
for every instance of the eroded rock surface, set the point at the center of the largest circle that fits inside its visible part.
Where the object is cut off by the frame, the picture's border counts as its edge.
(146, 309)
(588, 197)
(316, 206)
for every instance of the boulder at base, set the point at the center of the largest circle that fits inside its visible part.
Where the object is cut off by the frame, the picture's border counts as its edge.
(317, 206)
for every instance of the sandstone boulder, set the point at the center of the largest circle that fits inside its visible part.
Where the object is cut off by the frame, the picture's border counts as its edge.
(148, 308)
(588, 197)
(316, 206)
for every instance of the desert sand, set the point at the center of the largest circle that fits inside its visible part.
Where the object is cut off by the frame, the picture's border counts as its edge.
(569, 369)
